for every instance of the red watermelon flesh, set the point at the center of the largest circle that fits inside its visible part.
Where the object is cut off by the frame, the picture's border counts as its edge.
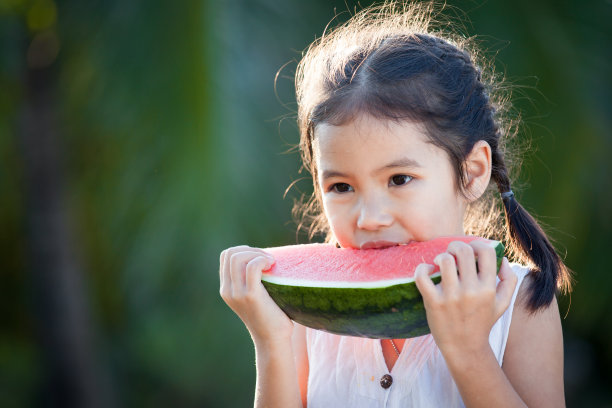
(324, 265)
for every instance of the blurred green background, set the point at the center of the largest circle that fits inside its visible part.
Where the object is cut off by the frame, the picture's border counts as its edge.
(138, 139)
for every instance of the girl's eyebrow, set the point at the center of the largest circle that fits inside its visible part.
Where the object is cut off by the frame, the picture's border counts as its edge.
(401, 162)
(332, 173)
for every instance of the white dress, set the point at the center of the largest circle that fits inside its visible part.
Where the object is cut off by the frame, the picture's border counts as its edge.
(346, 371)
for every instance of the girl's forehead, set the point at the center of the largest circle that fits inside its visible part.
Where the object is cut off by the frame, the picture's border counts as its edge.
(370, 133)
(369, 146)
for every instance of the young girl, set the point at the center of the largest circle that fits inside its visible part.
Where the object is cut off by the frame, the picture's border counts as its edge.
(404, 138)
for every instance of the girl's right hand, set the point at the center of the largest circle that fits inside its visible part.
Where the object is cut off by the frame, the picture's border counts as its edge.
(241, 288)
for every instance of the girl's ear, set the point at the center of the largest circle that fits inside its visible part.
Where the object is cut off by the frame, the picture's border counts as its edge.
(477, 170)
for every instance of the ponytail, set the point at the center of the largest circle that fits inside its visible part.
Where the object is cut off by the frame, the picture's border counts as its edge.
(529, 243)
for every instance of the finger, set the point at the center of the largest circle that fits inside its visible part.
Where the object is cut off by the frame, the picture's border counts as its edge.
(238, 262)
(254, 269)
(424, 283)
(221, 264)
(448, 271)
(224, 263)
(487, 262)
(225, 280)
(505, 288)
(466, 263)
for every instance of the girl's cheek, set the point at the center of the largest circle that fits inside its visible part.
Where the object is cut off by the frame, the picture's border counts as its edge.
(334, 208)
(340, 229)
(337, 223)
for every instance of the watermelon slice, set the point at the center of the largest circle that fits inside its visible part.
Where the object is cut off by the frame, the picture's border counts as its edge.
(356, 292)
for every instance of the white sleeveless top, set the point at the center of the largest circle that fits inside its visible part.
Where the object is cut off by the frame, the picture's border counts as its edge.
(346, 371)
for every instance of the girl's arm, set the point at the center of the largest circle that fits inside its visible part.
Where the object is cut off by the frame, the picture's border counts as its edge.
(534, 353)
(461, 311)
(271, 330)
(301, 359)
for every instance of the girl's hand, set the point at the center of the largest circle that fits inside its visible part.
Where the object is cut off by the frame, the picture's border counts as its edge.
(463, 307)
(241, 288)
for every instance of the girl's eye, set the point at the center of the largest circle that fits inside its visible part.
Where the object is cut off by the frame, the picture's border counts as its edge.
(399, 180)
(341, 188)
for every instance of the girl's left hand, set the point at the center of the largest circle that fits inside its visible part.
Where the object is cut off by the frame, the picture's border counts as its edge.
(463, 307)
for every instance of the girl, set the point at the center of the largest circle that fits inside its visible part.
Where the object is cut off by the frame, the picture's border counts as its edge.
(404, 138)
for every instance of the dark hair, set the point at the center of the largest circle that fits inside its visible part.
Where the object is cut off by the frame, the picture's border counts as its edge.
(389, 62)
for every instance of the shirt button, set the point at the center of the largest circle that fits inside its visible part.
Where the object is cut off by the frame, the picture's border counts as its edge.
(386, 381)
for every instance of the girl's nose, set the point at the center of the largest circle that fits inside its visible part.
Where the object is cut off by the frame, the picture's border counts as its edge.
(373, 214)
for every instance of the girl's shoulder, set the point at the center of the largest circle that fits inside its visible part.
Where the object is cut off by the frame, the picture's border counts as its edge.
(524, 318)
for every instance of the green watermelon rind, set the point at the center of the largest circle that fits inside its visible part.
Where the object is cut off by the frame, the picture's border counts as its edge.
(395, 311)
(391, 312)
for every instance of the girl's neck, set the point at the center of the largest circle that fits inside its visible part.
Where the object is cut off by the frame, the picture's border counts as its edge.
(389, 353)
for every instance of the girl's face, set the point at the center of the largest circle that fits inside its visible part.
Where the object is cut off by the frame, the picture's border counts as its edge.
(383, 184)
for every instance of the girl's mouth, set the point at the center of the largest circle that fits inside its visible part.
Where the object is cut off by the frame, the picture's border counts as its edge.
(378, 244)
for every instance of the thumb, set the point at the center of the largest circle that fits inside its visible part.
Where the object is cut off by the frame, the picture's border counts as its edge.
(505, 288)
